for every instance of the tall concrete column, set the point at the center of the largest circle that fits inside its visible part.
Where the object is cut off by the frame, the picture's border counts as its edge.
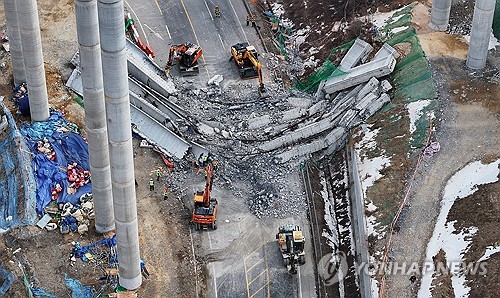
(29, 27)
(480, 33)
(114, 66)
(87, 27)
(16, 50)
(440, 14)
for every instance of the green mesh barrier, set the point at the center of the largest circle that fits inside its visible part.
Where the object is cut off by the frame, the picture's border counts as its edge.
(326, 71)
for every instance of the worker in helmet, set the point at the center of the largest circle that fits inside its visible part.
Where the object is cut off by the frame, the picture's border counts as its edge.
(217, 11)
(151, 184)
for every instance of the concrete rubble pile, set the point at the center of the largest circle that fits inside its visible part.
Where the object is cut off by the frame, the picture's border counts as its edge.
(252, 137)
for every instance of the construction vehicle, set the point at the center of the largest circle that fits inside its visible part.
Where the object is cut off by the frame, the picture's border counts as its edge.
(205, 208)
(291, 244)
(187, 54)
(133, 35)
(246, 59)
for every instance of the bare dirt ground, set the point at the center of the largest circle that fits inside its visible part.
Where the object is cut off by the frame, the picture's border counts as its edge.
(467, 130)
(46, 254)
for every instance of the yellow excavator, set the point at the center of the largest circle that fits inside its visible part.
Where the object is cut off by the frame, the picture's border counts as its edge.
(246, 59)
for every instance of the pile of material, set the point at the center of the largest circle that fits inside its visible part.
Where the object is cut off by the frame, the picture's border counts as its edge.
(77, 176)
(69, 217)
(44, 147)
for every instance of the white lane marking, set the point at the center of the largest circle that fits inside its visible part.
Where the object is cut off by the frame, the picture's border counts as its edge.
(155, 33)
(239, 23)
(211, 17)
(300, 282)
(168, 31)
(213, 267)
(138, 21)
(221, 41)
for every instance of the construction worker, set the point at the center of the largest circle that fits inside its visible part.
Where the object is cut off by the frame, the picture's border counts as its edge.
(158, 175)
(217, 11)
(253, 19)
(249, 18)
(151, 184)
(165, 193)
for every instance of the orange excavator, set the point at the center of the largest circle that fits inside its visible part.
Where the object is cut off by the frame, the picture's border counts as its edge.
(187, 54)
(205, 208)
(246, 59)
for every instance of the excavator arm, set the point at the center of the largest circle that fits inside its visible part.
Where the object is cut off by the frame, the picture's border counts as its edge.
(258, 66)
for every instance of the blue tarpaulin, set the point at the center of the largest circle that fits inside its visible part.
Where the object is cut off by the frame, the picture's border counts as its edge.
(69, 147)
(78, 290)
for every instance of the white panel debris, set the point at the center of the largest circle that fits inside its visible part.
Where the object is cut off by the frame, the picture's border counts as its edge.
(358, 51)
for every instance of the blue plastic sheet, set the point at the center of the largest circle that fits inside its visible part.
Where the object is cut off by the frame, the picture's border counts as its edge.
(69, 147)
(41, 292)
(8, 279)
(79, 251)
(78, 290)
(17, 183)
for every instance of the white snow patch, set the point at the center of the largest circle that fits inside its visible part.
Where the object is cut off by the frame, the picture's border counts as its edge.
(374, 287)
(415, 112)
(461, 184)
(330, 220)
(492, 43)
(380, 19)
(398, 29)
(369, 172)
(370, 207)
(490, 250)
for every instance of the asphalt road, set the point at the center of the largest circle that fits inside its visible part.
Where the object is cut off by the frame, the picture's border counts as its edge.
(165, 23)
(242, 256)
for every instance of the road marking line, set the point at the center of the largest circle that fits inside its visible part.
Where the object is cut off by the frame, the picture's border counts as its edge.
(246, 277)
(221, 41)
(300, 282)
(257, 263)
(257, 277)
(195, 35)
(168, 31)
(159, 8)
(241, 27)
(213, 267)
(138, 21)
(252, 252)
(211, 17)
(155, 33)
(258, 290)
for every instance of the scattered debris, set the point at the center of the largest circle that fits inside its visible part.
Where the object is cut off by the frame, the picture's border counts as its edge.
(432, 148)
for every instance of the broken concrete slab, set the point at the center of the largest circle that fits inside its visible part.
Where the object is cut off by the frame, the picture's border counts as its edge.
(319, 106)
(299, 102)
(370, 86)
(361, 74)
(215, 80)
(375, 106)
(385, 85)
(258, 122)
(359, 50)
(293, 114)
(385, 51)
(156, 133)
(336, 136)
(297, 135)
